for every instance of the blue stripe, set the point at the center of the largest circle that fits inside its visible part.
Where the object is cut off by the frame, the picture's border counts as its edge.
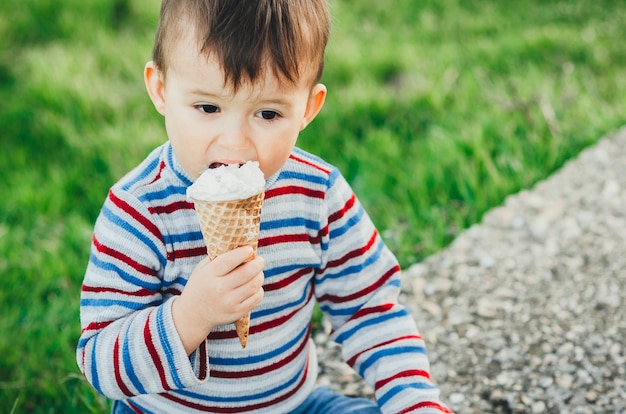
(127, 277)
(128, 365)
(355, 269)
(82, 342)
(291, 305)
(334, 175)
(261, 357)
(289, 268)
(143, 409)
(376, 356)
(294, 175)
(182, 237)
(172, 164)
(340, 312)
(112, 302)
(399, 388)
(163, 194)
(291, 222)
(169, 352)
(369, 322)
(120, 222)
(95, 382)
(351, 222)
(181, 280)
(148, 171)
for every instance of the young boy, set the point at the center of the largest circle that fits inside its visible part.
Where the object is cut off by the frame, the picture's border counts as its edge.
(237, 81)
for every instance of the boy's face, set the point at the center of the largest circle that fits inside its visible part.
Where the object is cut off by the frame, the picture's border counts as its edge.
(208, 124)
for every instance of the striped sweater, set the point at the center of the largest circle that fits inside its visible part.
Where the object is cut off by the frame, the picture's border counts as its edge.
(318, 245)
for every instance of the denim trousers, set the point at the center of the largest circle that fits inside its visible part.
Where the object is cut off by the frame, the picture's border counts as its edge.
(325, 401)
(320, 401)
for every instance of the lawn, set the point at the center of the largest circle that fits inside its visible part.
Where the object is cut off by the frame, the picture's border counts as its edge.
(436, 112)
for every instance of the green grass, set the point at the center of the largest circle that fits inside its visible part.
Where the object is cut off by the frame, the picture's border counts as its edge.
(436, 112)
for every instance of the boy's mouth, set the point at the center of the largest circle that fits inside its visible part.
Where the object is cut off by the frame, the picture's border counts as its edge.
(218, 164)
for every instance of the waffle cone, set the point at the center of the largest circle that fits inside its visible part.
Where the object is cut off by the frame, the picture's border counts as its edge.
(227, 225)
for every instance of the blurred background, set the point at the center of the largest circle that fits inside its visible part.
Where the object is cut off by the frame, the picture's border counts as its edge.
(437, 110)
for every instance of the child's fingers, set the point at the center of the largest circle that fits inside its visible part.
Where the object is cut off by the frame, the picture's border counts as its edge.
(249, 273)
(253, 300)
(229, 261)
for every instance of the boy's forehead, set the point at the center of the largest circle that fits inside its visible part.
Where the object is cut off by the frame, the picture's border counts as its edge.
(201, 73)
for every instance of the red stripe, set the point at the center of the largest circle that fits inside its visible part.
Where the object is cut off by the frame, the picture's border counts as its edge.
(137, 293)
(363, 292)
(172, 207)
(403, 374)
(128, 209)
(134, 407)
(254, 407)
(268, 368)
(340, 213)
(293, 189)
(172, 291)
(96, 326)
(158, 175)
(324, 231)
(116, 254)
(352, 254)
(147, 333)
(285, 238)
(426, 404)
(116, 369)
(307, 162)
(185, 253)
(203, 358)
(286, 281)
(376, 309)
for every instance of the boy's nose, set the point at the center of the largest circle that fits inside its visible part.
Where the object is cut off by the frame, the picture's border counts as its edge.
(236, 135)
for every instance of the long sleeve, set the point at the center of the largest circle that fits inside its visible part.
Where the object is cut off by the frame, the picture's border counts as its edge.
(146, 243)
(358, 289)
(129, 344)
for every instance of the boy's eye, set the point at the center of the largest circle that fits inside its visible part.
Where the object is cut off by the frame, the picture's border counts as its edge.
(268, 115)
(209, 109)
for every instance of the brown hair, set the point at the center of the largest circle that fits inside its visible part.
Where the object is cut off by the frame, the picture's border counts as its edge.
(245, 34)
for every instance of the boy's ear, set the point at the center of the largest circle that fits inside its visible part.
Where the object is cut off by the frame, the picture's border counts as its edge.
(154, 84)
(314, 105)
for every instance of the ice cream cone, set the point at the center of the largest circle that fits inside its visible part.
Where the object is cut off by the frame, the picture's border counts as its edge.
(227, 225)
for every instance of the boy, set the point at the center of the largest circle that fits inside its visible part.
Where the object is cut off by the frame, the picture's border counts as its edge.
(237, 81)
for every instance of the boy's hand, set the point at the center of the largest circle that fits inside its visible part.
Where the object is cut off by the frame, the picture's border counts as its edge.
(218, 292)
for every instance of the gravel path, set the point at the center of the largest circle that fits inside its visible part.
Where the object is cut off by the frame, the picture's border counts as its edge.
(526, 311)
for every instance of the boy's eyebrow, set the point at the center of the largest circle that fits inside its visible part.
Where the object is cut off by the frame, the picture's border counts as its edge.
(272, 100)
(276, 101)
(198, 91)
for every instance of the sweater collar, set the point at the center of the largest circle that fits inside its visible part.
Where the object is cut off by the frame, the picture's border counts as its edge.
(172, 163)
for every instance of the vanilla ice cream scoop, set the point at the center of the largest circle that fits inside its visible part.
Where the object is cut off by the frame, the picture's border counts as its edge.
(228, 182)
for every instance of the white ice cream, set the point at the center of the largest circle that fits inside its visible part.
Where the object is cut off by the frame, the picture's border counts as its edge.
(228, 182)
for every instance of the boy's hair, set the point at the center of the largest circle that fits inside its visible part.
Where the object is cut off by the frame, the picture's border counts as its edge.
(243, 35)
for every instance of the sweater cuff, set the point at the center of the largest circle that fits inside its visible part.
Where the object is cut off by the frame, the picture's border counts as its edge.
(191, 370)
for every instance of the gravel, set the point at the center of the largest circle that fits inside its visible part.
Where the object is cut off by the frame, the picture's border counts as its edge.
(525, 312)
